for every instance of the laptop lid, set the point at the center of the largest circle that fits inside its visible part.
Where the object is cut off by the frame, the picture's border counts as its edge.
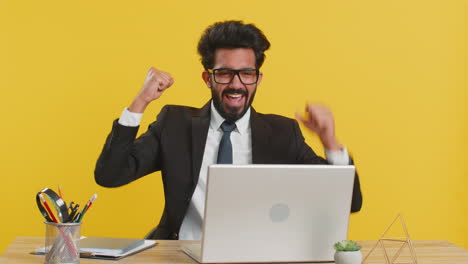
(275, 213)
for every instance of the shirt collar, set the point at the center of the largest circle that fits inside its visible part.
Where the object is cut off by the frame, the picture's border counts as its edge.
(242, 124)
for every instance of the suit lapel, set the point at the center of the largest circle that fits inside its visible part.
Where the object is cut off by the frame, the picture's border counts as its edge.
(261, 135)
(200, 124)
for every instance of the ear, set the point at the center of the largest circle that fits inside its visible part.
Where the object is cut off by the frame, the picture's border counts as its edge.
(260, 77)
(206, 78)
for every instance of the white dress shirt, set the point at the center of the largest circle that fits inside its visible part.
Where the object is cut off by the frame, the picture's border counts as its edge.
(241, 139)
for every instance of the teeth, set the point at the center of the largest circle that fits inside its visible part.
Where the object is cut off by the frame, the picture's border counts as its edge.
(234, 95)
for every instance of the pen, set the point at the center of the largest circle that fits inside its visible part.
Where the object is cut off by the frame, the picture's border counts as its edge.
(86, 208)
(75, 218)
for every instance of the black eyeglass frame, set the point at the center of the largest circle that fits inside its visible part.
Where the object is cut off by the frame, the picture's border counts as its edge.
(236, 72)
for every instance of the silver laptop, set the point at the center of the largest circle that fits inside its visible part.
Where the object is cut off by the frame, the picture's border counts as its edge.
(274, 213)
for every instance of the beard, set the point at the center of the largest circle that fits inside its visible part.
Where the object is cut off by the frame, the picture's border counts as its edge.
(231, 114)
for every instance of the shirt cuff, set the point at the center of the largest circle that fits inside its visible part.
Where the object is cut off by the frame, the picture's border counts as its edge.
(338, 157)
(130, 119)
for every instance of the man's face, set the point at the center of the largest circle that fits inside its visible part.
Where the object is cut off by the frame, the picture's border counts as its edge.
(234, 98)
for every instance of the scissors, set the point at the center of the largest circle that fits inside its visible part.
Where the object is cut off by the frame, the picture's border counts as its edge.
(73, 211)
(59, 205)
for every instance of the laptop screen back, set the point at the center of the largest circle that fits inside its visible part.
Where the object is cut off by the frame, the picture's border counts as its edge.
(275, 213)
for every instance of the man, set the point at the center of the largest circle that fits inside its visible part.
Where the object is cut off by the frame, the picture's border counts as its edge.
(184, 141)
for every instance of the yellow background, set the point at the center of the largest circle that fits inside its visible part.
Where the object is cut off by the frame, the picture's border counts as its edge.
(392, 71)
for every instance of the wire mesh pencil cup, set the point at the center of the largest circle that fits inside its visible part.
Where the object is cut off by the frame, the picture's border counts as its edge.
(62, 243)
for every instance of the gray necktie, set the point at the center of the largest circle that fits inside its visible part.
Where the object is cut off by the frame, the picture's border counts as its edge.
(225, 146)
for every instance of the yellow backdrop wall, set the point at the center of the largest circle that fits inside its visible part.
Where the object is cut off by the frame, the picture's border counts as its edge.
(391, 71)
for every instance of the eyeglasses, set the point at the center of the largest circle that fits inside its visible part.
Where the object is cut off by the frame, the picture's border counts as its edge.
(225, 76)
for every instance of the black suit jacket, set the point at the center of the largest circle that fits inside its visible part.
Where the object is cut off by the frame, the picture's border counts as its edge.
(174, 144)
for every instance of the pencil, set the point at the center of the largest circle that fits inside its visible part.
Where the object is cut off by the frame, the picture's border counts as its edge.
(51, 214)
(86, 208)
(60, 191)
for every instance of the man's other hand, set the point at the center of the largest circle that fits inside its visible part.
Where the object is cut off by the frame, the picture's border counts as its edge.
(319, 120)
(155, 84)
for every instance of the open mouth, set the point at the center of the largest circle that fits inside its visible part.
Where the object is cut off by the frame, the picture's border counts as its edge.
(234, 99)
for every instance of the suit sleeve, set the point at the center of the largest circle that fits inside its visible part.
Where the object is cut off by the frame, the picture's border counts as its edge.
(124, 159)
(305, 155)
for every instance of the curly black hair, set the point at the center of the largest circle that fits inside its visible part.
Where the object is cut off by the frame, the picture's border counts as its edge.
(232, 34)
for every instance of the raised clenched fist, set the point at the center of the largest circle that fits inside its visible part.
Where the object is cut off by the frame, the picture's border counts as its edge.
(155, 84)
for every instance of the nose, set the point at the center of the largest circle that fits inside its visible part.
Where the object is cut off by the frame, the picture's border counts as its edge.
(236, 82)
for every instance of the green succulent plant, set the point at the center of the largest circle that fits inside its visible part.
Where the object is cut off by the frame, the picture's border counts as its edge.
(347, 245)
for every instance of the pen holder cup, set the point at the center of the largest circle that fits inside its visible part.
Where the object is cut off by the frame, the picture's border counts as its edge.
(62, 243)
